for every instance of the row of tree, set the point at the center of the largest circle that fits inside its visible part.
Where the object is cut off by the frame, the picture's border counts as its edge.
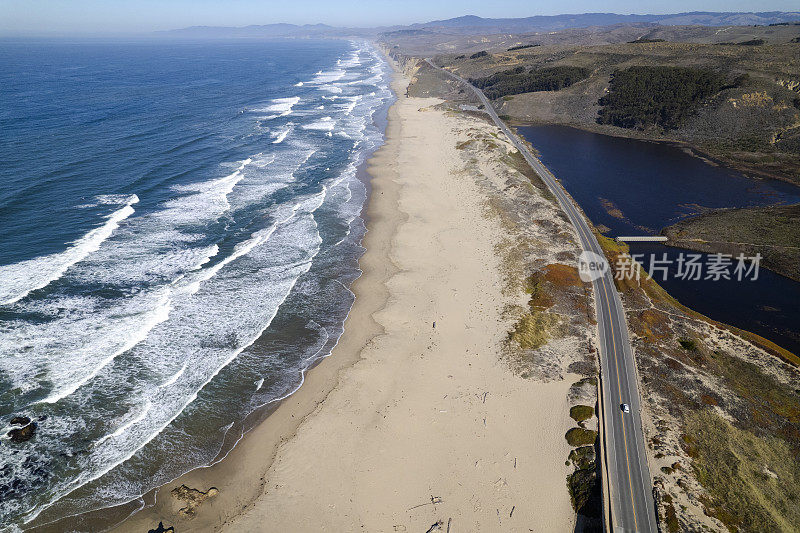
(520, 80)
(640, 97)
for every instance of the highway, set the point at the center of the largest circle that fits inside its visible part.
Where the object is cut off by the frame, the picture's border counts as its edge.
(629, 483)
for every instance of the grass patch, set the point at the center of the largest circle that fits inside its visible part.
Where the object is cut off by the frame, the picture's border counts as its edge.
(540, 298)
(771, 231)
(533, 329)
(671, 518)
(465, 144)
(579, 413)
(753, 483)
(580, 437)
(775, 402)
(562, 276)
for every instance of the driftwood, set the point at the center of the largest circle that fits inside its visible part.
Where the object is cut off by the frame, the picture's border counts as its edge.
(434, 501)
(435, 526)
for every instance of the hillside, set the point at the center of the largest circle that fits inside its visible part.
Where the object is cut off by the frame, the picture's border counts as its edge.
(751, 120)
(479, 25)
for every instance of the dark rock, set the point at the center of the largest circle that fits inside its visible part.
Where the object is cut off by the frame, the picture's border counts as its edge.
(24, 433)
(162, 529)
(20, 421)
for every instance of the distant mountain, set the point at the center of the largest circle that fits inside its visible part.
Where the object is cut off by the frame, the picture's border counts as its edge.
(264, 31)
(471, 24)
(474, 24)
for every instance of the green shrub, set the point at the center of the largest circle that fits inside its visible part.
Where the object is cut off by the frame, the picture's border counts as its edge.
(688, 344)
(520, 80)
(639, 97)
(580, 437)
(579, 413)
(583, 458)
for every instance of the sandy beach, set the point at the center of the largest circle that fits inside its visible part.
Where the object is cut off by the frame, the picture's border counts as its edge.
(415, 419)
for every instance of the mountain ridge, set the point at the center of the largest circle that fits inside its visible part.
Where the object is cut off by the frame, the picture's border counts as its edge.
(473, 24)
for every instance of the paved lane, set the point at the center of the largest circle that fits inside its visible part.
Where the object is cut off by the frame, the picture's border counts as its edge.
(630, 486)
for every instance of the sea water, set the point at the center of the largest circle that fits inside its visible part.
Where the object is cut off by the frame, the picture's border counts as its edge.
(179, 226)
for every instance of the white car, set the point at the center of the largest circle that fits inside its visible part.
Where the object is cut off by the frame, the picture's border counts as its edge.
(625, 408)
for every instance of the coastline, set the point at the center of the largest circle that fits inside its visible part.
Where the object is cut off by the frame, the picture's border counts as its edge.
(278, 422)
(405, 424)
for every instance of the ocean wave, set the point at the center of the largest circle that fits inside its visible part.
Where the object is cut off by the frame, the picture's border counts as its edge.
(279, 138)
(20, 279)
(328, 76)
(274, 258)
(281, 106)
(332, 88)
(197, 279)
(353, 60)
(323, 124)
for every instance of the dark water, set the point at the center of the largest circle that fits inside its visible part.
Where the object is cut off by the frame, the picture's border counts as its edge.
(654, 185)
(180, 223)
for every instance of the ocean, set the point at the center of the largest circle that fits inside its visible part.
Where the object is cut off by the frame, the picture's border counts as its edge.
(181, 223)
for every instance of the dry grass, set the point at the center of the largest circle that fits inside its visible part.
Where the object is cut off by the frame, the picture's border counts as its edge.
(562, 276)
(534, 329)
(753, 483)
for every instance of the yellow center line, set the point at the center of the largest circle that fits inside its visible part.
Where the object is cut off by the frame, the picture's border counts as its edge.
(616, 367)
(619, 390)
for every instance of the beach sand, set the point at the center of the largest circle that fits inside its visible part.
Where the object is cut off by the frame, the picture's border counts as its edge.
(415, 418)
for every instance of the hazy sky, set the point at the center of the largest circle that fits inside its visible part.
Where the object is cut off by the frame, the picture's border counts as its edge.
(110, 16)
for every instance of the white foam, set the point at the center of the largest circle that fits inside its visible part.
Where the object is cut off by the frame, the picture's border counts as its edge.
(140, 326)
(78, 344)
(329, 76)
(279, 138)
(175, 377)
(352, 61)
(207, 312)
(351, 105)
(281, 106)
(323, 124)
(20, 279)
(135, 420)
(221, 297)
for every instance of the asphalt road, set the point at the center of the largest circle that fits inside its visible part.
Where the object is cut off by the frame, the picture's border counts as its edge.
(629, 483)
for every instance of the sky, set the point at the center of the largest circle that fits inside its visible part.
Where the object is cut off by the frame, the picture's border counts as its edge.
(135, 16)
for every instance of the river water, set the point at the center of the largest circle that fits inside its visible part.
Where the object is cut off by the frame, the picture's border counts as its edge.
(637, 187)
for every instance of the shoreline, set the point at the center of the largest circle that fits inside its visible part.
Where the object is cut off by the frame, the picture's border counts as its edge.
(414, 418)
(426, 427)
(278, 422)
